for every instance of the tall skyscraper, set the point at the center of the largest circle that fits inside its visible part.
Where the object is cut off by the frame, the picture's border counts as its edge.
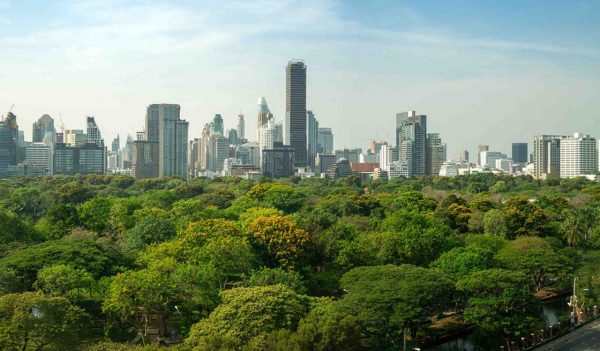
(464, 156)
(43, 125)
(480, 149)
(412, 129)
(519, 152)
(172, 134)
(436, 154)
(269, 134)
(546, 156)
(93, 135)
(295, 131)
(312, 138)
(325, 141)
(9, 135)
(264, 114)
(116, 144)
(217, 126)
(578, 156)
(241, 127)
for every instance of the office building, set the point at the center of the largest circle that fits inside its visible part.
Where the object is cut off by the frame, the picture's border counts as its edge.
(93, 135)
(269, 134)
(464, 156)
(375, 146)
(218, 152)
(325, 141)
(505, 165)
(546, 156)
(143, 159)
(578, 156)
(116, 144)
(480, 149)
(489, 158)
(39, 155)
(341, 169)
(519, 152)
(324, 162)
(44, 125)
(241, 127)
(278, 162)
(295, 131)
(217, 126)
(9, 136)
(352, 155)
(312, 138)
(250, 153)
(172, 138)
(264, 114)
(412, 129)
(74, 137)
(436, 154)
(86, 159)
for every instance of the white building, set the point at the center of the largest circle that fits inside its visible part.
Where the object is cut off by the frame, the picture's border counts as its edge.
(578, 156)
(449, 169)
(505, 165)
(40, 155)
(269, 134)
(488, 158)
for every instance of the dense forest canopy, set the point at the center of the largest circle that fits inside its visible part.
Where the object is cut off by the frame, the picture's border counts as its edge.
(106, 262)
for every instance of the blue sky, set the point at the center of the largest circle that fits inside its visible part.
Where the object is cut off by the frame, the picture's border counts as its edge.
(484, 72)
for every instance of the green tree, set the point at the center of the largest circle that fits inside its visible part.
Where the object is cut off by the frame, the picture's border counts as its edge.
(273, 276)
(150, 230)
(494, 223)
(387, 300)
(12, 229)
(410, 237)
(535, 258)
(27, 202)
(573, 228)
(500, 302)
(246, 313)
(61, 279)
(95, 213)
(158, 289)
(30, 321)
(462, 261)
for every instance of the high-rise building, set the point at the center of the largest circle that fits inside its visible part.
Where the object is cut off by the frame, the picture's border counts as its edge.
(9, 135)
(241, 127)
(40, 155)
(436, 154)
(480, 149)
(278, 162)
(116, 144)
(519, 152)
(232, 135)
(93, 132)
(546, 156)
(144, 156)
(352, 155)
(44, 124)
(312, 138)
(250, 153)
(217, 126)
(269, 134)
(325, 141)
(86, 159)
(412, 129)
(219, 151)
(488, 158)
(324, 163)
(74, 137)
(578, 156)
(295, 131)
(464, 156)
(341, 169)
(264, 114)
(172, 137)
(375, 146)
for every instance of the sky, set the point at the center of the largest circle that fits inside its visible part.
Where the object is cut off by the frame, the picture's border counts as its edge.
(484, 72)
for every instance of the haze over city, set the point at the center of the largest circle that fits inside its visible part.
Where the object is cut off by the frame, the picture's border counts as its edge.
(493, 72)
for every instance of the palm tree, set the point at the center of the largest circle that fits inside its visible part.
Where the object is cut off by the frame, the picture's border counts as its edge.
(573, 229)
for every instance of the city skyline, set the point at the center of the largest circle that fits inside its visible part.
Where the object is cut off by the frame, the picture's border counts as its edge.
(391, 58)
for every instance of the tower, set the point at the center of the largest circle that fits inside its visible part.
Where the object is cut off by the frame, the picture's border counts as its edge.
(295, 132)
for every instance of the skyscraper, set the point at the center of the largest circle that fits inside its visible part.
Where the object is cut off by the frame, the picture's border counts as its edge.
(412, 129)
(163, 124)
(264, 114)
(578, 156)
(278, 162)
(93, 135)
(269, 134)
(480, 149)
(546, 156)
(519, 152)
(325, 141)
(436, 154)
(464, 156)
(295, 131)
(312, 138)
(44, 124)
(116, 144)
(9, 132)
(217, 126)
(241, 127)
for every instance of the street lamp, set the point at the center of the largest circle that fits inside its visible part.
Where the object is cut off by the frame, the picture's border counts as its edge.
(550, 330)
(532, 339)
(523, 342)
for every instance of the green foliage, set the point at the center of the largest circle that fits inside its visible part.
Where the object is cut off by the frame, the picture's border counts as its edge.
(30, 321)
(150, 230)
(246, 313)
(14, 230)
(59, 280)
(389, 299)
(83, 254)
(94, 214)
(273, 276)
(500, 303)
(462, 261)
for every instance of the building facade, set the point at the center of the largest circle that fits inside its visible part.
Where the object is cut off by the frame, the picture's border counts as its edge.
(519, 152)
(278, 162)
(295, 131)
(578, 156)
